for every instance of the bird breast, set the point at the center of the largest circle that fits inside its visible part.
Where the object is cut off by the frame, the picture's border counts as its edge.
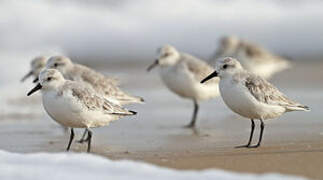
(64, 110)
(238, 99)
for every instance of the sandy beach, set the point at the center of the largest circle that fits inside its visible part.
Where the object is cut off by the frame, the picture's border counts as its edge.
(293, 144)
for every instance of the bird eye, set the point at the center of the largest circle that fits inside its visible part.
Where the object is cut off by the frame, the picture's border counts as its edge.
(49, 78)
(225, 66)
(166, 54)
(55, 65)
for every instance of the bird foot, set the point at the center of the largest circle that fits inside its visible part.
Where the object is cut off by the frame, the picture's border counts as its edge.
(81, 141)
(255, 146)
(189, 126)
(243, 146)
(248, 146)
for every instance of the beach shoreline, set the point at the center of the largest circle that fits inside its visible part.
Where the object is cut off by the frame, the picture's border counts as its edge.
(293, 144)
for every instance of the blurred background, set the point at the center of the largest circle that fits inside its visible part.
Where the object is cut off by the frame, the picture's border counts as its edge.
(108, 30)
(120, 38)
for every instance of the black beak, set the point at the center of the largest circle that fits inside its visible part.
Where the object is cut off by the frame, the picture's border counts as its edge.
(153, 65)
(26, 76)
(35, 80)
(38, 87)
(214, 74)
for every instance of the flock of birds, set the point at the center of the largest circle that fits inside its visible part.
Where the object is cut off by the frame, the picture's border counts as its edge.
(76, 96)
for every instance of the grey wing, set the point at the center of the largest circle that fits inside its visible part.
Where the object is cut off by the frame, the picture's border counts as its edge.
(86, 96)
(265, 92)
(199, 68)
(111, 108)
(92, 101)
(260, 55)
(95, 78)
(253, 50)
(105, 85)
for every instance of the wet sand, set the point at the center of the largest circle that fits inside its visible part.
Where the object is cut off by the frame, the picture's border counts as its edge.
(293, 144)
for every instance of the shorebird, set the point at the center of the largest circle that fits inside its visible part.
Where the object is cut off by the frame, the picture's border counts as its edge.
(74, 105)
(253, 58)
(106, 86)
(250, 95)
(182, 74)
(37, 64)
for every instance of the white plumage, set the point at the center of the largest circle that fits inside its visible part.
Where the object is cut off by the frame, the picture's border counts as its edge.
(182, 73)
(74, 105)
(250, 95)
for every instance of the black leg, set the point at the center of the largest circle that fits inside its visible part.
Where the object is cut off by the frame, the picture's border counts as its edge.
(251, 135)
(89, 139)
(262, 126)
(82, 140)
(196, 108)
(71, 139)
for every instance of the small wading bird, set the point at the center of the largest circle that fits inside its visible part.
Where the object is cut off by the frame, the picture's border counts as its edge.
(182, 74)
(74, 105)
(36, 65)
(101, 84)
(250, 95)
(252, 57)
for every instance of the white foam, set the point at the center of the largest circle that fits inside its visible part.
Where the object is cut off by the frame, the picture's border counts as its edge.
(41, 166)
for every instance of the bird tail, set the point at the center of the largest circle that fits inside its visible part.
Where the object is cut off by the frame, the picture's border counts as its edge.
(133, 112)
(128, 113)
(298, 108)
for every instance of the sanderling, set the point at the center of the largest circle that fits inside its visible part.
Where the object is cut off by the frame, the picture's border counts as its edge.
(106, 86)
(253, 58)
(250, 95)
(37, 65)
(74, 105)
(182, 74)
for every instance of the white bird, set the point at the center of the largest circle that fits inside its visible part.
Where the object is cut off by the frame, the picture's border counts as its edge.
(253, 58)
(37, 65)
(106, 86)
(73, 105)
(250, 95)
(182, 74)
